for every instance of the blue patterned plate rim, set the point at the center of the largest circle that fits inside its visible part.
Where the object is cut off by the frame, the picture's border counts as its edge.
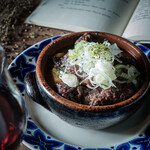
(34, 137)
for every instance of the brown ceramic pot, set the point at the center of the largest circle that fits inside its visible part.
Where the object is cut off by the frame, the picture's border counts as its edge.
(96, 117)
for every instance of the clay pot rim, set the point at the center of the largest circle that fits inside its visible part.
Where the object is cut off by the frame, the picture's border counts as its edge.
(51, 93)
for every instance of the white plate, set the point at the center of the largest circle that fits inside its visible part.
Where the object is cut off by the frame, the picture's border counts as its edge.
(45, 131)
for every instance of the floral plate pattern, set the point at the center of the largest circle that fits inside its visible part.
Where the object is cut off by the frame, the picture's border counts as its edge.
(37, 139)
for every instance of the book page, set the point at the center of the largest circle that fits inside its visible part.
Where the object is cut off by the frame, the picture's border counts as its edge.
(84, 15)
(139, 26)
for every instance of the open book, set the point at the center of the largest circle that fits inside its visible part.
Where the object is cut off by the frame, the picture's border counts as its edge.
(127, 18)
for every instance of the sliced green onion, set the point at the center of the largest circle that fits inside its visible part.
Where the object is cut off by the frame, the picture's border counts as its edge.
(114, 49)
(70, 79)
(132, 71)
(130, 76)
(124, 75)
(121, 66)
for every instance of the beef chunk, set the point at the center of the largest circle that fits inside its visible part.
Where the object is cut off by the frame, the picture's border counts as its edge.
(109, 96)
(72, 93)
(84, 37)
(66, 91)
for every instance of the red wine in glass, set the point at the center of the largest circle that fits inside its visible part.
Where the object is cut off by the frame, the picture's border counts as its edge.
(12, 112)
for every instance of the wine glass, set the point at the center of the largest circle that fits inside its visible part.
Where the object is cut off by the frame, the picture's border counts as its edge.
(12, 109)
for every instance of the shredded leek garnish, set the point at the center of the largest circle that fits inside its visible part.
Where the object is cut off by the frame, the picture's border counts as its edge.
(95, 63)
(130, 76)
(69, 79)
